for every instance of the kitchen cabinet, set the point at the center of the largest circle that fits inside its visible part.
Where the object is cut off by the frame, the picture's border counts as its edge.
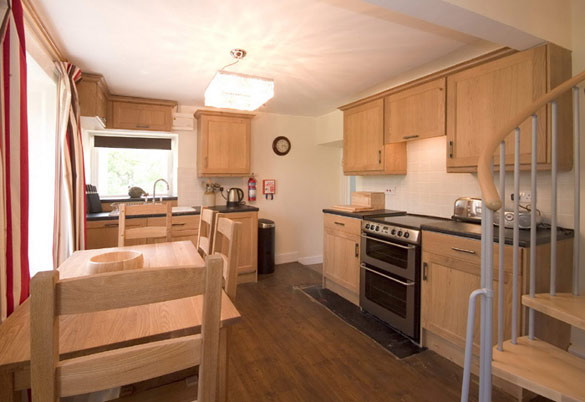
(341, 256)
(364, 150)
(183, 227)
(104, 233)
(140, 114)
(248, 251)
(363, 138)
(93, 96)
(451, 271)
(223, 143)
(416, 113)
(481, 99)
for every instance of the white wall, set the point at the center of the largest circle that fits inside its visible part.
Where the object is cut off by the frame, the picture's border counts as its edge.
(308, 179)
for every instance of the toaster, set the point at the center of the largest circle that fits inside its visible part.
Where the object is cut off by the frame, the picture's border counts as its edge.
(523, 219)
(467, 209)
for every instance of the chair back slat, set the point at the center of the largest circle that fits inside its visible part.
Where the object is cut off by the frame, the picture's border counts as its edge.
(208, 370)
(119, 367)
(206, 230)
(50, 297)
(226, 243)
(121, 289)
(149, 232)
(44, 337)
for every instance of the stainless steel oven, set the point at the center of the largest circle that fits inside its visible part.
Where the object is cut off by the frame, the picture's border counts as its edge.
(389, 276)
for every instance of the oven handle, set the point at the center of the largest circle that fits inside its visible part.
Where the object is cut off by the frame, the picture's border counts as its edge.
(386, 276)
(388, 242)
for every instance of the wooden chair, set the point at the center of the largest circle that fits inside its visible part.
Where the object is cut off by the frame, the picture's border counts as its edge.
(52, 378)
(226, 241)
(226, 244)
(206, 230)
(148, 232)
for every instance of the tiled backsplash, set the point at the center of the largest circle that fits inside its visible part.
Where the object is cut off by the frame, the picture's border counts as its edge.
(428, 189)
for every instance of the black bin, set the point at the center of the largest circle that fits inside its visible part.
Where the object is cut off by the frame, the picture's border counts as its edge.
(265, 246)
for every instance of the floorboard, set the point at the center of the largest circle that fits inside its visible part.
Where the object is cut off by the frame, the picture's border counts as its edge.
(289, 348)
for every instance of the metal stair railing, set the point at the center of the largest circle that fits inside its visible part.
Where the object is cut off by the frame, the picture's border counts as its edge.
(492, 202)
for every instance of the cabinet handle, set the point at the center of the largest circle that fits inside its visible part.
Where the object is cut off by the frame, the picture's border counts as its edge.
(357, 250)
(409, 137)
(111, 225)
(462, 250)
(450, 149)
(179, 224)
(379, 156)
(142, 125)
(425, 271)
(205, 162)
(339, 223)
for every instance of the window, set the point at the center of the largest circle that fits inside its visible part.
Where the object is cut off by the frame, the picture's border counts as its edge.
(42, 120)
(120, 160)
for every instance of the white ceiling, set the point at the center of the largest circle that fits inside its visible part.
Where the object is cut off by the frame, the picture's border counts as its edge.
(320, 53)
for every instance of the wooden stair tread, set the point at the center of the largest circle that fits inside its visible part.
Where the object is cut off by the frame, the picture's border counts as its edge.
(541, 368)
(564, 306)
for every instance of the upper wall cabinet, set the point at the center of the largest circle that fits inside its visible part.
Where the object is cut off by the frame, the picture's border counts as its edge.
(223, 143)
(140, 114)
(93, 96)
(363, 138)
(416, 113)
(364, 150)
(482, 99)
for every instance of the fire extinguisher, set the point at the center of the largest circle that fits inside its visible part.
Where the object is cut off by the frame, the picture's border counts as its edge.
(252, 188)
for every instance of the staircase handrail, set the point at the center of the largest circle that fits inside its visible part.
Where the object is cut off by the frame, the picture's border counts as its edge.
(484, 172)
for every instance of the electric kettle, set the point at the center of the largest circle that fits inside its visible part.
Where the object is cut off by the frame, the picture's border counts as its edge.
(235, 197)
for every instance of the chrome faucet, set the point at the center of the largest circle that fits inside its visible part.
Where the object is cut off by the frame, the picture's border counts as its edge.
(154, 190)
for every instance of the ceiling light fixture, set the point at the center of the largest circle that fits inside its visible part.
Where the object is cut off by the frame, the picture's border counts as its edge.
(238, 91)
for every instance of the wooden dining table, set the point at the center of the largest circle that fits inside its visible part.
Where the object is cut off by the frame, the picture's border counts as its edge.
(81, 334)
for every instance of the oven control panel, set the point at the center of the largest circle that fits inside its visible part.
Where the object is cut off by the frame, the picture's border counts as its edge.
(392, 232)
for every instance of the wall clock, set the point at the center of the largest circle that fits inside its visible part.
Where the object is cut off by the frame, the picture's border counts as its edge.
(281, 145)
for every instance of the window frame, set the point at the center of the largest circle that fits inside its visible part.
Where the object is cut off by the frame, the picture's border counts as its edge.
(94, 159)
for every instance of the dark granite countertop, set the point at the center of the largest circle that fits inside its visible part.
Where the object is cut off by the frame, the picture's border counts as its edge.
(364, 214)
(128, 199)
(177, 211)
(473, 230)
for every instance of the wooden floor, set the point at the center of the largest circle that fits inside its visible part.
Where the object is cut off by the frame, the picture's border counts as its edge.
(290, 348)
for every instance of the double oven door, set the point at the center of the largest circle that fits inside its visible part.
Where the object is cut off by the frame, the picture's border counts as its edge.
(389, 287)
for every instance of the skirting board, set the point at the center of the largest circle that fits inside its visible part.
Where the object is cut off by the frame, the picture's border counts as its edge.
(316, 259)
(286, 258)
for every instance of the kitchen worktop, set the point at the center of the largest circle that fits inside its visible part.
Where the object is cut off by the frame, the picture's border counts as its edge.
(473, 230)
(177, 211)
(364, 214)
(128, 199)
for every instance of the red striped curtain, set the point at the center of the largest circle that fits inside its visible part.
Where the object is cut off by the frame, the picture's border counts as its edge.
(69, 225)
(14, 273)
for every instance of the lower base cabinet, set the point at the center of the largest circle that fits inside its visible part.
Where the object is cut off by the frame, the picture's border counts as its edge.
(104, 233)
(341, 256)
(451, 271)
(248, 252)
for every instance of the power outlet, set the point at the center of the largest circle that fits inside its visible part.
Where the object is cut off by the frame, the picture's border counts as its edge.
(390, 190)
(525, 196)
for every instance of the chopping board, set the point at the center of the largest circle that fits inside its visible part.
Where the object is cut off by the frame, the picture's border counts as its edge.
(352, 208)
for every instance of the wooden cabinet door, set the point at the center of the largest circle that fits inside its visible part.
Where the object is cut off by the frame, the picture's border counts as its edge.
(341, 259)
(363, 138)
(482, 99)
(225, 145)
(102, 234)
(248, 252)
(446, 286)
(130, 115)
(416, 113)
